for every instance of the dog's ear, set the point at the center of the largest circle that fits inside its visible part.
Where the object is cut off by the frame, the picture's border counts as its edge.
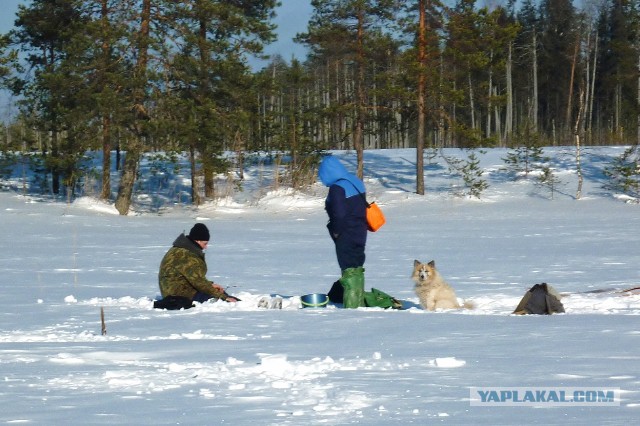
(432, 263)
(416, 263)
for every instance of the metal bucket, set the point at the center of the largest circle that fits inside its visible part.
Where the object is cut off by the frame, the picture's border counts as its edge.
(314, 300)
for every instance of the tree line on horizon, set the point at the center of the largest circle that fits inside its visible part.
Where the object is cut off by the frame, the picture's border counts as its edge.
(137, 76)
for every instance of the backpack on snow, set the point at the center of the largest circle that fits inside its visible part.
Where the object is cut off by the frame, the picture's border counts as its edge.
(541, 299)
(374, 298)
(380, 299)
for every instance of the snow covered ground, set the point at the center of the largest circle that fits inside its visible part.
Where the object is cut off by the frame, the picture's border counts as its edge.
(222, 363)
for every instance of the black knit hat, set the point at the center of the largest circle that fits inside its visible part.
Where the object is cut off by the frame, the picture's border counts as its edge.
(199, 232)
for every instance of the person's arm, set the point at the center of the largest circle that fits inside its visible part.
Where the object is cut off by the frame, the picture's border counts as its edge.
(226, 297)
(337, 211)
(194, 271)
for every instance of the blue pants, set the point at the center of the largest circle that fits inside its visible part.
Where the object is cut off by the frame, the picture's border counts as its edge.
(349, 255)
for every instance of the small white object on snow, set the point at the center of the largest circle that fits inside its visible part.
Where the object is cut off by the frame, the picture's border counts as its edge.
(448, 362)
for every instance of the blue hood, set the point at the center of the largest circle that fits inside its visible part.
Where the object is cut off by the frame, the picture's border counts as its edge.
(332, 172)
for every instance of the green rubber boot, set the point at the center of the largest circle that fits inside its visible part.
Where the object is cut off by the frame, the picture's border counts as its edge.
(353, 282)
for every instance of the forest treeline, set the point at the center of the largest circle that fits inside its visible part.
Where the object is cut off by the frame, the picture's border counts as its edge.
(135, 76)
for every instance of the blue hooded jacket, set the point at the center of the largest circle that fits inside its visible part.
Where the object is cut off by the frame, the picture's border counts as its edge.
(344, 204)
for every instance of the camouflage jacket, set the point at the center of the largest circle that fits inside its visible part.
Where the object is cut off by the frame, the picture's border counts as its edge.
(183, 271)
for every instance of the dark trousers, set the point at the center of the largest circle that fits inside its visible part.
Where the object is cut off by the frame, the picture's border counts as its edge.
(201, 297)
(349, 255)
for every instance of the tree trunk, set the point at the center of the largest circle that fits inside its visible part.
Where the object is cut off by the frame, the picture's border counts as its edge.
(497, 119)
(134, 151)
(55, 169)
(239, 148)
(106, 158)
(105, 194)
(127, 180)
(589, 116)
(618, 109)
(441, 109)
(207, 171)
(358, 131)
(571, 80)
(195, 195)
(577, 132)
(472, 106)
(508, 125)
(489, 94)
(422, 64)
(534, 68)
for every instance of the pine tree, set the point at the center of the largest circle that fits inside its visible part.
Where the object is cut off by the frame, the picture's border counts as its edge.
(209, 84)
(8, 61)
(523, 160)
(469, 171)
(478, 60)
(624, 173)
(47, 33)
(138, 98)
(342, 29)
(557, 45)
(108, 28)
(527, 157)
(528, 64)
(617, 81)
(472, 175)
(466, 59)
(423, 23)
(548, 180)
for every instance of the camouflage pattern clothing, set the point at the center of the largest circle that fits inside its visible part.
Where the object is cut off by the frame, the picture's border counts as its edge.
(183, 271)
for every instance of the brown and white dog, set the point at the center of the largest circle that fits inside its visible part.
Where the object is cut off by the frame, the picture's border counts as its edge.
(432, 290)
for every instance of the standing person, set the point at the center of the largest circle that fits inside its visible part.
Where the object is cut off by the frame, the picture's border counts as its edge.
(347, 226)
(182, 276)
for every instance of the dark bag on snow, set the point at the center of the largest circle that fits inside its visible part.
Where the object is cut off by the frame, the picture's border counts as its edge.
(173, 303)
(541, 299)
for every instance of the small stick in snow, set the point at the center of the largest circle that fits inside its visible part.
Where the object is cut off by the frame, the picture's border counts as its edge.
(104, 326)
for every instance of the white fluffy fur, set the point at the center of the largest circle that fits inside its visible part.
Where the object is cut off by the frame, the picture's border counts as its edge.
(432, 290)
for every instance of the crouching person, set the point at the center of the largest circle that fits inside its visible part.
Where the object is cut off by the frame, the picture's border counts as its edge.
(182, 277)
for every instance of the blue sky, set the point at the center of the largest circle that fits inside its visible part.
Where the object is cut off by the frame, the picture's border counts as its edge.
(8, 15)
(292, 17)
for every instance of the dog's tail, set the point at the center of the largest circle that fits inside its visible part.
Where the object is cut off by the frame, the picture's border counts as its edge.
(468, 305)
